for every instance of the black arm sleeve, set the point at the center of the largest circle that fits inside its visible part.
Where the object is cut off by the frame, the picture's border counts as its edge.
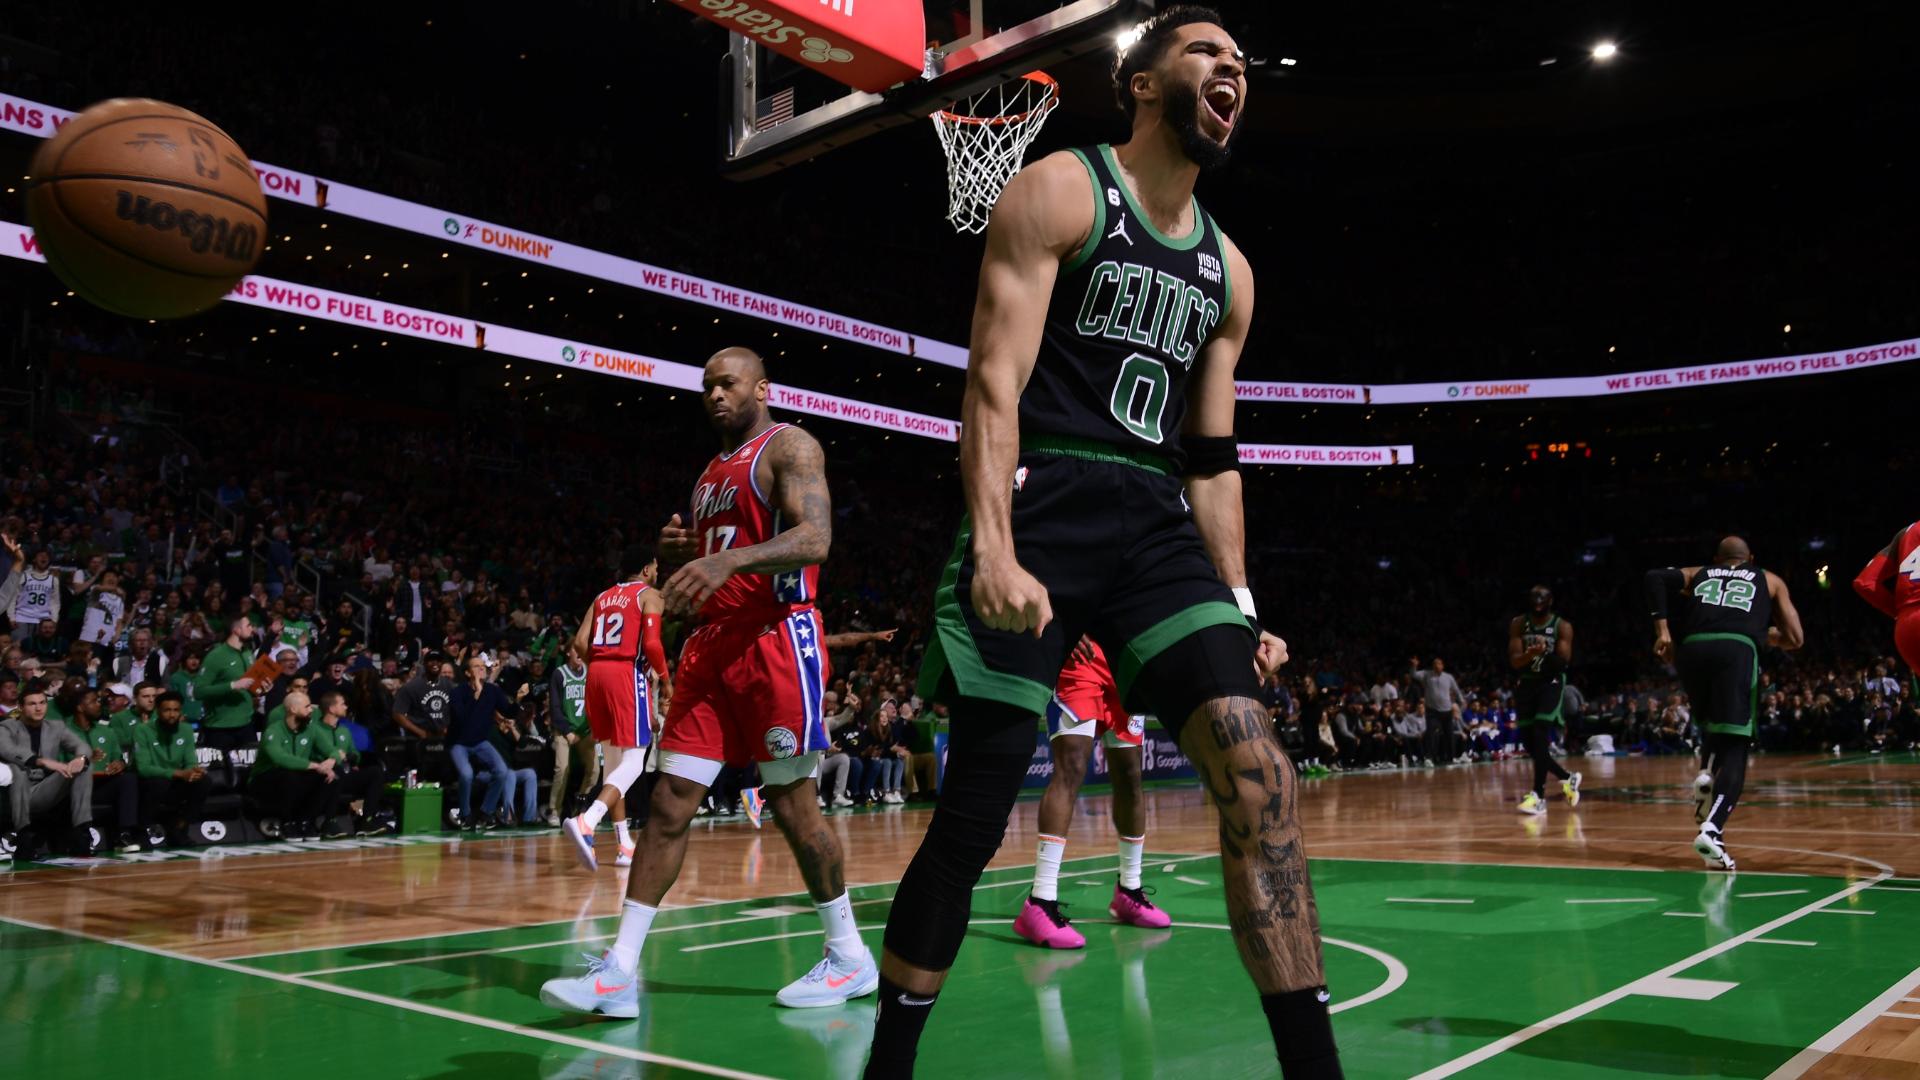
(1661, 585)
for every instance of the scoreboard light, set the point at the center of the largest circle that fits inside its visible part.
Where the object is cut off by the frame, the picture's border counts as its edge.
(1558, 451)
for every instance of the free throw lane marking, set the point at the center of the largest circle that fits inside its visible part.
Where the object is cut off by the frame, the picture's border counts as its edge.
(1619, 900)
(1781, 941)
(1843, 911)
(1758, 895)
(1846, 1029)
(1686, 989)
(1502, 1045)
(1425, 900)
(1684, 914)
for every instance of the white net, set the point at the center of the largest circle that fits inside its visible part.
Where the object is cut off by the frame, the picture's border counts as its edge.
(986, 138)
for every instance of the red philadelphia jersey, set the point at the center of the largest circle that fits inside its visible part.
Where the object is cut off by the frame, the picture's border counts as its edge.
(1906, 572)
(616, 630)
(730, 511)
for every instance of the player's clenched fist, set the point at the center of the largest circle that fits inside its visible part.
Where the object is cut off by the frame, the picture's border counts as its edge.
(690, 585)
(1269, 656)
(677, 542)
(1006, 597)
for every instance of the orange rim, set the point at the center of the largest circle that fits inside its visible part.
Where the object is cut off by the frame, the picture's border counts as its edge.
(1040, 77)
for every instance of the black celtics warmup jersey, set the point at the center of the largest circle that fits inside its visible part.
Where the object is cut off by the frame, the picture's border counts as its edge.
(1727, 600)
(1531, 634)
(1129, 314)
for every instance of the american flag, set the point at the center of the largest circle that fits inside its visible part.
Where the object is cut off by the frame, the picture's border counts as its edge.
(777, 109)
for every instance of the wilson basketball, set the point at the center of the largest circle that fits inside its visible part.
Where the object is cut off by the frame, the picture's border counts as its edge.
(146, 209)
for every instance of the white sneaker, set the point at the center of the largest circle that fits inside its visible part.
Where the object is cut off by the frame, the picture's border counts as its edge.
(832, 982)
(601, 989)
(1702, 796)
(625, 858)
(841, 800)
(892, 798)
(1711, 850)
(581, 834)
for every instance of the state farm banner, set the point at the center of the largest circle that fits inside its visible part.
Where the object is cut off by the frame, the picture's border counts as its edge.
(32, 118)
(1286, 454)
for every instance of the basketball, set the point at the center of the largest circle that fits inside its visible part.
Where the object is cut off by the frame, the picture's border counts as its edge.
(146, 209)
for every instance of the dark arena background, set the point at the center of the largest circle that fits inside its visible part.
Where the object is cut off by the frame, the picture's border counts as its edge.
(1549, 295)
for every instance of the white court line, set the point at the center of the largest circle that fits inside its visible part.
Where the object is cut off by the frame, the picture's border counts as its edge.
(1540, 1027)
(1844, 911)
(1617, 900)
(1191, 880)
(410, 1006)
(1684, 914)
(1901, 1015)
(1798, 1064)
(1897, 888)
(1425, 900)
(1781, 941)
(1396, 971)
(1911, 999)
(1757, 895)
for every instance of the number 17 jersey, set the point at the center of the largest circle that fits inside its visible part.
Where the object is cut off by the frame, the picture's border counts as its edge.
(730, 511)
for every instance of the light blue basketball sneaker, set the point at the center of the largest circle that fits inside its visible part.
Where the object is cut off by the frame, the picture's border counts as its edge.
(602, 989)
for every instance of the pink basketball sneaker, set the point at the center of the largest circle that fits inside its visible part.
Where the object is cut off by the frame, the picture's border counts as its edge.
(1040, 922)
(1132, 907)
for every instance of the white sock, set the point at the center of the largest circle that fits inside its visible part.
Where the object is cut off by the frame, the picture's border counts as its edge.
(1046, 867)
(622, 833)
(1131, 848)
(595, 811)
(635, 920)
(843, 936)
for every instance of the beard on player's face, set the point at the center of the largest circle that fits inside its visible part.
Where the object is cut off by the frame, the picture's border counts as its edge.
(1182, 107)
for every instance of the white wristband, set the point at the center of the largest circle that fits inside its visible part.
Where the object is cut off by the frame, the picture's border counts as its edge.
(1244, 597)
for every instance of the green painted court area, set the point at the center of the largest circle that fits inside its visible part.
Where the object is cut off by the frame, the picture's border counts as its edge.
(1651, 973)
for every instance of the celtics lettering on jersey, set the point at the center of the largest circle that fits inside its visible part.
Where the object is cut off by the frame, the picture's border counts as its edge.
(1130, 313)
(1547, 637)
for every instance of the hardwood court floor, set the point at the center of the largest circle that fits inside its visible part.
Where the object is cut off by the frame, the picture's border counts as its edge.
(1461, 939)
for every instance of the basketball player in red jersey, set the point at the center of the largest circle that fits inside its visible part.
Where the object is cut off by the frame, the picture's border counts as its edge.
(620, 637)
(1891, 583)
(749, 687)
(1086, 701)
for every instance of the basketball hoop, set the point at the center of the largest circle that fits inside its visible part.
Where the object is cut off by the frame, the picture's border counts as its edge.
(986, 138)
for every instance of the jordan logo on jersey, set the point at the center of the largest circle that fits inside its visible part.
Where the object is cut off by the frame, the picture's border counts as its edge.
(1120, 230)
(713, 498)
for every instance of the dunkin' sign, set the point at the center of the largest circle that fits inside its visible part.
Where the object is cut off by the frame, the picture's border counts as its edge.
(866, 44)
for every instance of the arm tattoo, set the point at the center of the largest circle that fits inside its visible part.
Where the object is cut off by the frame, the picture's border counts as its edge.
(800, 497)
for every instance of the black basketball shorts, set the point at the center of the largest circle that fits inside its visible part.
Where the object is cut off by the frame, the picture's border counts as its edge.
(1109, 533)
(1721, 673)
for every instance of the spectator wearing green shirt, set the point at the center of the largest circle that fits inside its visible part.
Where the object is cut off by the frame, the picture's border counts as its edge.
(181, 683)
(362, 780)
(225, 691)
(290, 780)
(113, 781)
(173, 786)
(139, 711)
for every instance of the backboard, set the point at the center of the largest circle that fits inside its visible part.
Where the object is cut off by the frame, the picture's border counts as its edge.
(777, 112)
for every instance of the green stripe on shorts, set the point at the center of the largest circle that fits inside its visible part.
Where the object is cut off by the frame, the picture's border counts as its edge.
(1157, 638)
(1095, 450)
(953, 649)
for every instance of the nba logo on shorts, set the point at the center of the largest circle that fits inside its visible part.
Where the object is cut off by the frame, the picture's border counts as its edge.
(781, 743)
(1020, 478)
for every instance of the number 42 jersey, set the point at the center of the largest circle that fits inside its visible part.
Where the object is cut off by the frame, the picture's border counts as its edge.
(1727, 600)
(1130, 314)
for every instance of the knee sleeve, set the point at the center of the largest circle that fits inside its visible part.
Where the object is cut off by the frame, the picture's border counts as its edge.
(991, 747)
(1210, 663)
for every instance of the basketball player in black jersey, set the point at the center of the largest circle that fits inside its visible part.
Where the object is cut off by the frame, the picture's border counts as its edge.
(1539, 647)
(1103, 498)
(1725, 612)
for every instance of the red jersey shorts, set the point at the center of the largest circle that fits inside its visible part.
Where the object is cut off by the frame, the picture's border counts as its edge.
(749, 690)
(1086, 694)
(620, 703)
